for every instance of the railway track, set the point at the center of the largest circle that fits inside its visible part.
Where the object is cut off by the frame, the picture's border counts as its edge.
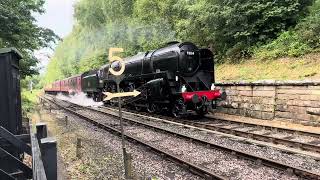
(200, 170)
(258, 132)
(267, 127)
(268, 133)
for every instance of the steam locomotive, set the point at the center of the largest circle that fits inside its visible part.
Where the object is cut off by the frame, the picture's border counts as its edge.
(177, 78)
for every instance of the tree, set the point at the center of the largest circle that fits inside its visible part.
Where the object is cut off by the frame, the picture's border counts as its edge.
(18, 29)
(309, 28)
(233, 26)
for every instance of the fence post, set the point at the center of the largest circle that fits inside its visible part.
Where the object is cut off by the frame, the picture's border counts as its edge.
(78, 148)
(129, 165)
(49, 157)
(41, 129)
(66, 120)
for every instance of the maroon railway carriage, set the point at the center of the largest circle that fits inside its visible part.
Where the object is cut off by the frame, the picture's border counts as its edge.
(70, 85)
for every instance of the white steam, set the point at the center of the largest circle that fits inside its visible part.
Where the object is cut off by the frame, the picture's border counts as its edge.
(80, 99)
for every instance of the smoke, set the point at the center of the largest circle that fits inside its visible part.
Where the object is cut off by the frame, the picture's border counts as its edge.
(80, 99)
(87, 48)
(131, 35)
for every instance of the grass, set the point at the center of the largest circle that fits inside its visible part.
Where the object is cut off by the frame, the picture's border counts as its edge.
(31, 96)
(301, 68)
(29, 100)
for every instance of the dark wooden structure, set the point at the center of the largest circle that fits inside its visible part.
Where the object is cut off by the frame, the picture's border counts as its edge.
(14, 145)
(10, 109)
(10, 98)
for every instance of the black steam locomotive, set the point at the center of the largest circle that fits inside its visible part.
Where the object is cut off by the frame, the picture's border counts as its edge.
(177, 78)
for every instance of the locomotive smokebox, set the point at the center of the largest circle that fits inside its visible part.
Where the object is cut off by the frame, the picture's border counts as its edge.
(116, 66)
(189, 60)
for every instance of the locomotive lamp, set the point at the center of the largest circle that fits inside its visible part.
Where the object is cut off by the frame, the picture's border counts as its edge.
(213, 87)
(183, 88)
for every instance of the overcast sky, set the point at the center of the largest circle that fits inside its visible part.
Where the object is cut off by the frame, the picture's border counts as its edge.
(59, 18)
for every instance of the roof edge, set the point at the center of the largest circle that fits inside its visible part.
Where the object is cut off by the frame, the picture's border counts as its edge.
(271, 83)
(11, 50)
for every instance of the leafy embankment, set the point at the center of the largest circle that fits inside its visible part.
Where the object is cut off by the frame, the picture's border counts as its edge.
(293, 55)
(306, 67)
(29, 100)
(236, 31)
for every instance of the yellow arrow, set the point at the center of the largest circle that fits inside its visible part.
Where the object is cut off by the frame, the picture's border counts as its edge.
(123, 94)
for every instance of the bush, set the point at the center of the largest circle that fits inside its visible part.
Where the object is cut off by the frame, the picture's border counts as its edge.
(29, 100)
(289, 43)
(309, 28)
(238, 52)
(27, 105)
(235, 26)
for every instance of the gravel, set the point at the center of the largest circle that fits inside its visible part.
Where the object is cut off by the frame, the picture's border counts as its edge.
(99, 144)
(273, 133)
(219, 159)
(196, 155)
(295, 160)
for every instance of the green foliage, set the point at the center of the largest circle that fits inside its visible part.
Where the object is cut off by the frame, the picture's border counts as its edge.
(288, 68)
(18, 29)
(36, 82)
(230, 27)
(309, 28)
(29, 100)
(92, 62)
(298, 41)
(100, 27)
(27, 105)
(234, 26)
(289, 43)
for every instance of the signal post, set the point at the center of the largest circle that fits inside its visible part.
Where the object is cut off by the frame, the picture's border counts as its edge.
(119, 77)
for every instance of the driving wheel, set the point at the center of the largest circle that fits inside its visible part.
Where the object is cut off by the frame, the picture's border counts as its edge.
(178, 109)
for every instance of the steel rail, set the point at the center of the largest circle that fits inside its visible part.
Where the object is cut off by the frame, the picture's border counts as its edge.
(269, 127)
(259, 159)
(251, 135)
(260, 137)
(294, 150)
(198, 170)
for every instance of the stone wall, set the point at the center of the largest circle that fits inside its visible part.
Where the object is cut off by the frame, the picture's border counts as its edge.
(297, 101)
